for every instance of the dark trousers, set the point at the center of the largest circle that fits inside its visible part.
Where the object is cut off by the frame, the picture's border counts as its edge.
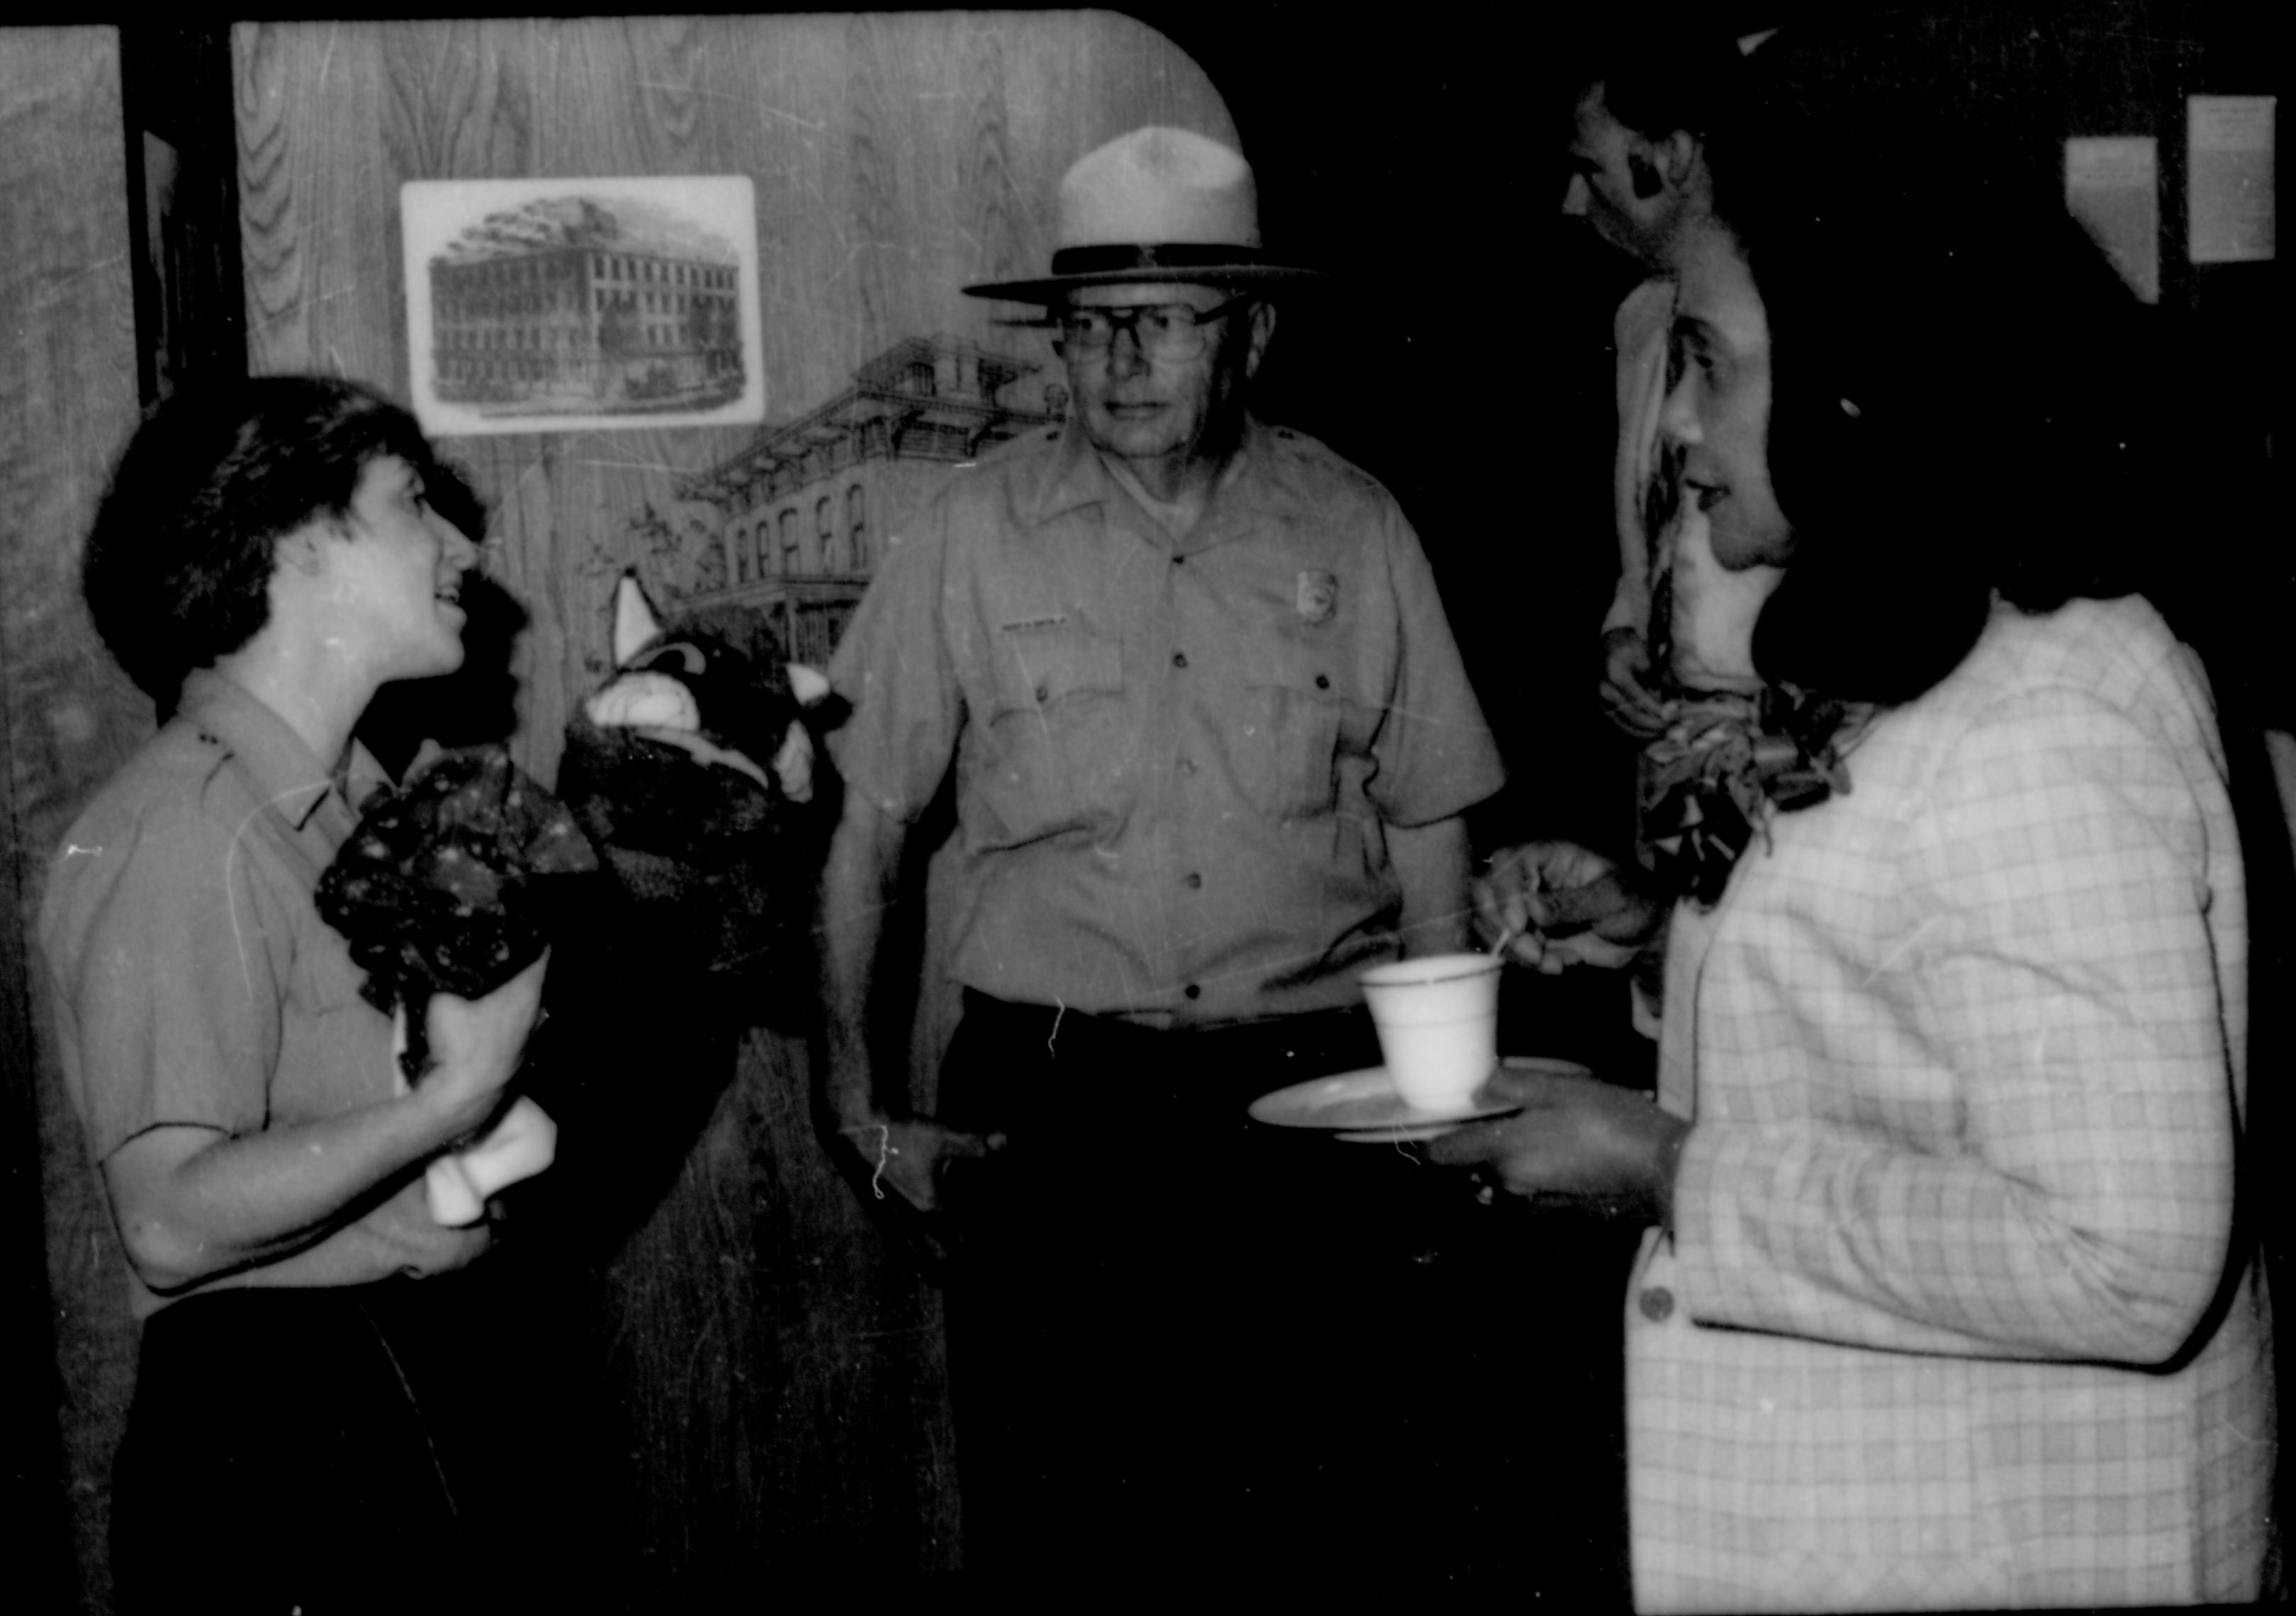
(1176, 1336)
(411, 1445)
(1185, 1344)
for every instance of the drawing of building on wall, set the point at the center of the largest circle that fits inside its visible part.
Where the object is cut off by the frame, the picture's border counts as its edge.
(796, 520)
(579, 305)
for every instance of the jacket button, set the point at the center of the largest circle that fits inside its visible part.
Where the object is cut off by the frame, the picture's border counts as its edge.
(1043, 693)
(1192, 991)
(1195, 880)
(1179, 658)
(1657, 1304)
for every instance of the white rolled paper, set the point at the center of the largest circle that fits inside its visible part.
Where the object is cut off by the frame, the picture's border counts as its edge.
(522, 1144)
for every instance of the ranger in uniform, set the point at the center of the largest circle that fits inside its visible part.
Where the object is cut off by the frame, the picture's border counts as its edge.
(1212, 740)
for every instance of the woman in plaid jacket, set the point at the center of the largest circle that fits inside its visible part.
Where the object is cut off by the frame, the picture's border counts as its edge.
(1949, 1297)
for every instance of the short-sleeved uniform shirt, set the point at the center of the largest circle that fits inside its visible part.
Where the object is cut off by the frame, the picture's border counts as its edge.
(192, 981)
(1176, 761)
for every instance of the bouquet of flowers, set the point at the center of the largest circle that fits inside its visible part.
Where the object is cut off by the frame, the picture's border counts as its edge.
(453, 882)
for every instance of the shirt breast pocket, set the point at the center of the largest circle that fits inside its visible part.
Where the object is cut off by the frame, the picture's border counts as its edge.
(1286, 747)
(335, 1048)
(1061, 747)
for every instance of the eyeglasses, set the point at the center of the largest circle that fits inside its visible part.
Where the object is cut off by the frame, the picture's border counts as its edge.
(1160, 330)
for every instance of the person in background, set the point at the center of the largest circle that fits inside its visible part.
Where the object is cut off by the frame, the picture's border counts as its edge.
(1210, 739)
(1951, 1293)
(265, 559)
(1644, 130)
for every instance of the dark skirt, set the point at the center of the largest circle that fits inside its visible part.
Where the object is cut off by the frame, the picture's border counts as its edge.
(277, 1459)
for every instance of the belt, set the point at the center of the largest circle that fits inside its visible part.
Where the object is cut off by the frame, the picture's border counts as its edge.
(1164, 1020)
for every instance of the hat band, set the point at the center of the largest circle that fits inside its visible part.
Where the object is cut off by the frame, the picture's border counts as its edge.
(1177, 255)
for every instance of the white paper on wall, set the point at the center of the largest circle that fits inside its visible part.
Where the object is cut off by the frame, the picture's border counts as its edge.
(2112, 185)
(2228, 178)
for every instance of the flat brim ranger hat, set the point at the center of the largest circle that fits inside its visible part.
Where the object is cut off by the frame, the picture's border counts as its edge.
(1159, 204)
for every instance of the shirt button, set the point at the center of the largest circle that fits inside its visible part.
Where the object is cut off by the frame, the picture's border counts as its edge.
(1195, 880)
(1179, 658)
(1188, 766)
(1323, 681)
(1192, 991)
(1043, 693)
(1657, 1304)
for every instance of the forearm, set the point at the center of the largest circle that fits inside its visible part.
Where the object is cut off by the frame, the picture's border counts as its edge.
(1432, 865)
(856, 884)
(1832, 1233)
(195, 1204)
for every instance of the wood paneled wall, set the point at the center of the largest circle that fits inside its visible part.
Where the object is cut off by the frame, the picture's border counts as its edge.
(67, 719)
(777, 1373)
(897, 156)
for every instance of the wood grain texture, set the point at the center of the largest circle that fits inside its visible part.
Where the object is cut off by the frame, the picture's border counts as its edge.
(897, 158)
(781, 1374)
(67, 718)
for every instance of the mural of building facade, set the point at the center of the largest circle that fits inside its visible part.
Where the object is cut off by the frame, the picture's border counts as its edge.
(797, 520)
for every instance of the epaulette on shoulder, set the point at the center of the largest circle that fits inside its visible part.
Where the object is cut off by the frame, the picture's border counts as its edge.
(982, 477)
(1312, 457)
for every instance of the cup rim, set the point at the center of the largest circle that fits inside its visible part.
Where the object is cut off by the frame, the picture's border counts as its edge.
(1461, 965)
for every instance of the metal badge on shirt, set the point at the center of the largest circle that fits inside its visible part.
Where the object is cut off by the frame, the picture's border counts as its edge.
(1317, 598)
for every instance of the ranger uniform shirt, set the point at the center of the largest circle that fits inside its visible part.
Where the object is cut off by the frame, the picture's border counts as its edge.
(1176, 761)
(192, 981)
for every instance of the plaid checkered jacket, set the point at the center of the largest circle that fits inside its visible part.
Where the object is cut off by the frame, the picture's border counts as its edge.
(1953, 1311)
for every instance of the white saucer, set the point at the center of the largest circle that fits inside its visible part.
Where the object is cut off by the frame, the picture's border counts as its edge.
(1363, 1107)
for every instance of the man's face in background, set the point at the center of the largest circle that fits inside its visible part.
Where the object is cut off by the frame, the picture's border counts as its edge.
(1619, 186)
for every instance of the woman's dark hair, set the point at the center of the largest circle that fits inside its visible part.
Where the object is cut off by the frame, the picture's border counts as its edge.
(1959, 380)
(178, 564)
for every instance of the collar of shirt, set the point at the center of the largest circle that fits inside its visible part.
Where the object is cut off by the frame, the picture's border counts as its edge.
(1075, 477)
(286, 774)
